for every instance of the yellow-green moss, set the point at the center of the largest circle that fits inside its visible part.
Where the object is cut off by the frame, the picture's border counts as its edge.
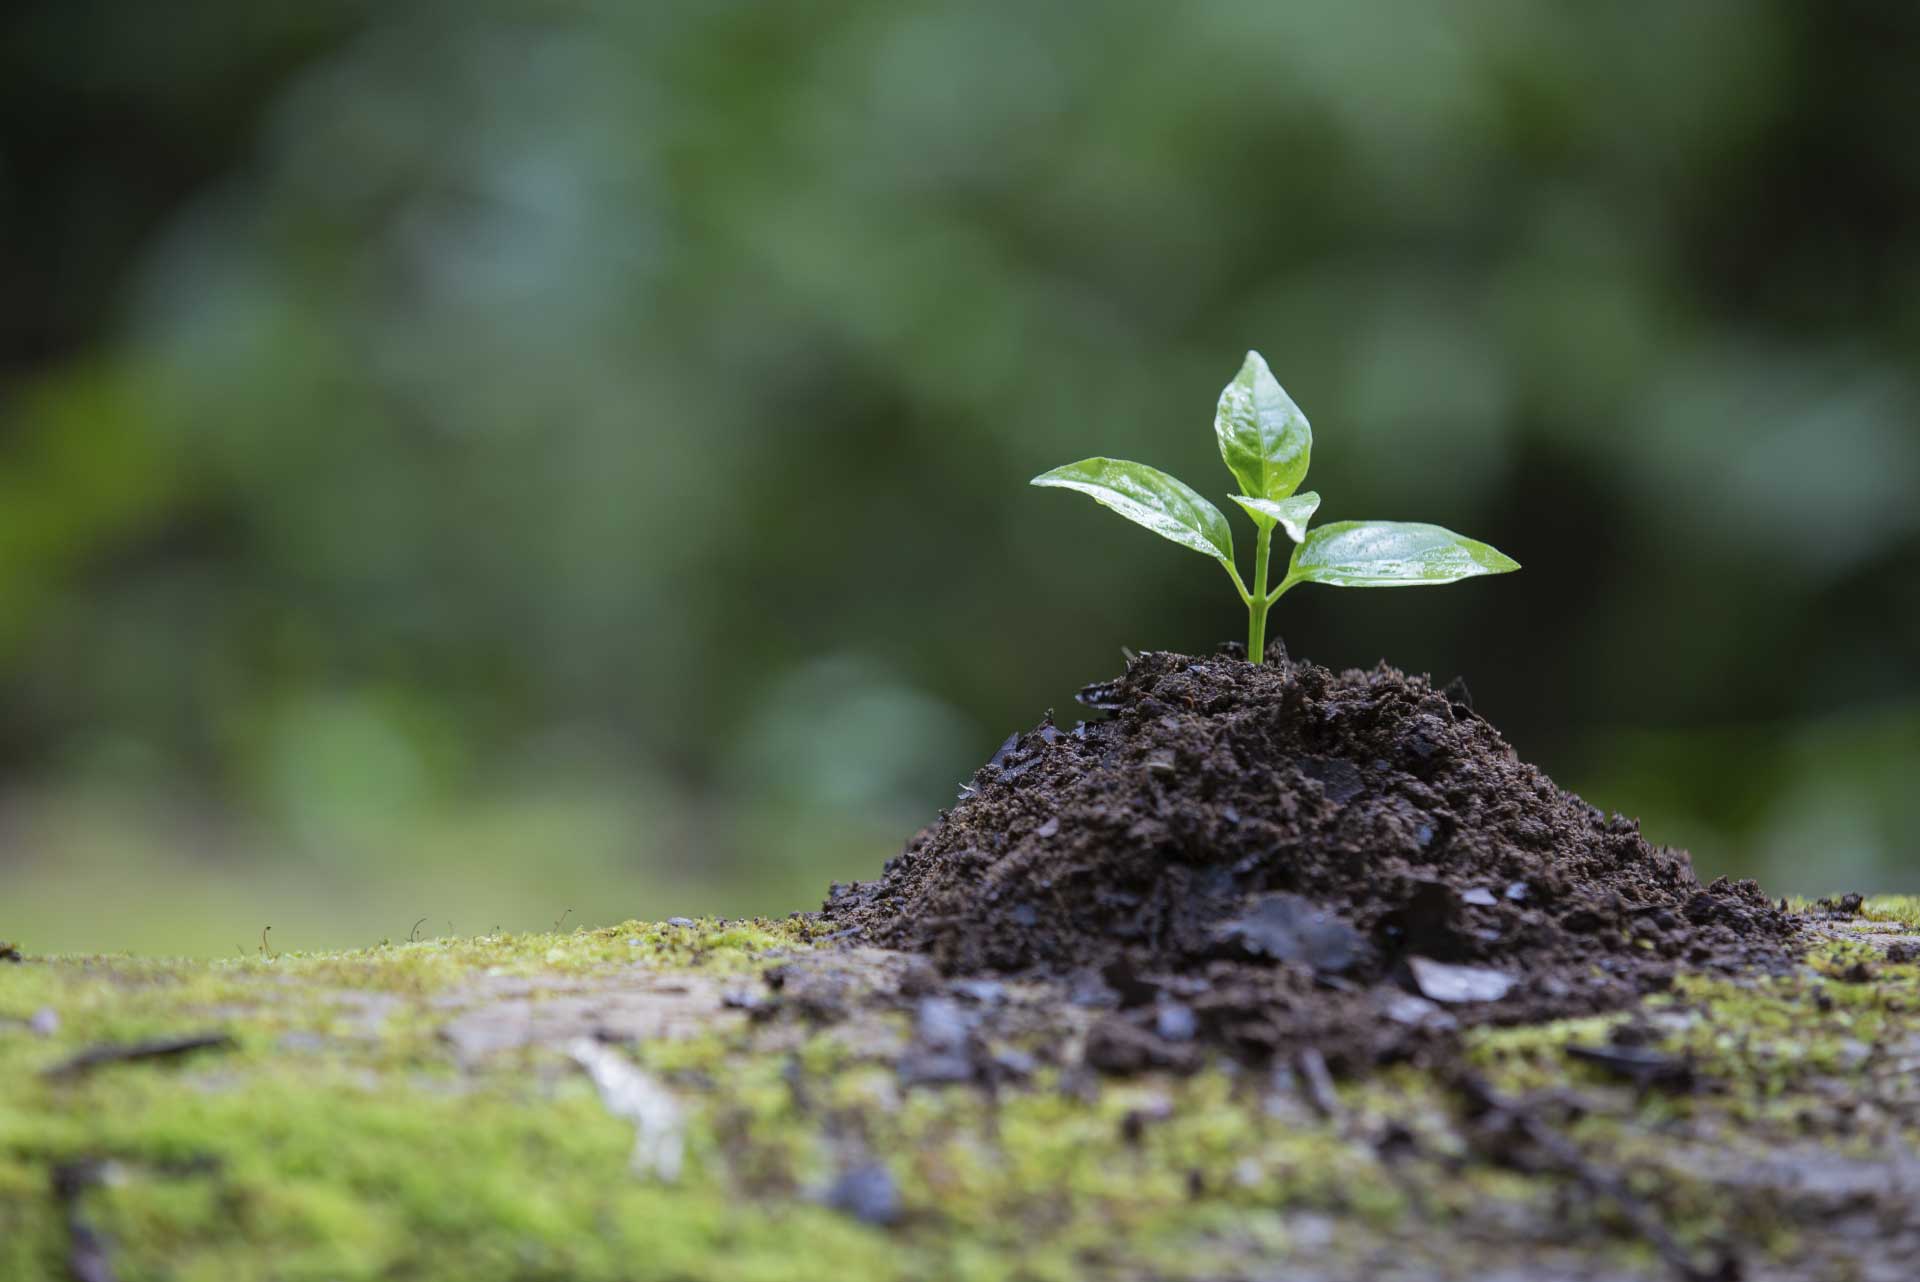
(341, 1137)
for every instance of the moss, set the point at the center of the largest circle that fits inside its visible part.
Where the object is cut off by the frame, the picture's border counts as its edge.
(1789, 1065)
(341, 1136)
(1904, 909)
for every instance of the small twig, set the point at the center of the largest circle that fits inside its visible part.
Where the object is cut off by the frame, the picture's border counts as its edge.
(1645, 1068)
(659, 1126)
(119, 1053)
(1319, 1081)
(87, 1257)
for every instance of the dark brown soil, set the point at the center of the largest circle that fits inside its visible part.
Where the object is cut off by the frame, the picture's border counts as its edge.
(1273, 857)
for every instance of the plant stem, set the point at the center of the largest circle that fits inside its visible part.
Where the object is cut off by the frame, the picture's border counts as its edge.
(1257, 607)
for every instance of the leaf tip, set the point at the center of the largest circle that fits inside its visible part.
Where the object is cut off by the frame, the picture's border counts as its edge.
(1056, 476)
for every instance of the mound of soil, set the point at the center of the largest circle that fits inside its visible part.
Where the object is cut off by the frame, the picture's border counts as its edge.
(1275, 855)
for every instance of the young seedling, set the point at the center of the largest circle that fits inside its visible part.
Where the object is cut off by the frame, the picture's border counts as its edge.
(1264, 440)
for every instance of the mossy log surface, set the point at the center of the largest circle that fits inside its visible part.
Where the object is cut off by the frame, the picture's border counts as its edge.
(469, 1108)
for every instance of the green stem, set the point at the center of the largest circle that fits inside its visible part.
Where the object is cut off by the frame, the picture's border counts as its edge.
(1258, 605)
(1246, 597)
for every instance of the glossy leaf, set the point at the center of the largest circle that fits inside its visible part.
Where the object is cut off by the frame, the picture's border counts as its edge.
(1290, 514)
(1388, 554)
(1264, 438)
(1147, 496)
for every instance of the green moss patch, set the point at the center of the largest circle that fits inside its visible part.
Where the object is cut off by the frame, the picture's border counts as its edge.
(347, 1132)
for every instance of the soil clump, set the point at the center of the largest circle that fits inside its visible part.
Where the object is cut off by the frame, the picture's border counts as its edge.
(1275, 857)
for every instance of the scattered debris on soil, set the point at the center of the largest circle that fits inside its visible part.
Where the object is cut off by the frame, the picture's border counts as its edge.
(1277, 856)
(1514, 1134)
(127, 1052)
(355, 1138)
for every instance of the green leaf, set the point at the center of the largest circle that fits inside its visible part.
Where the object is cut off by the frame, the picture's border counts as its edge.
(1264, 438)
(1291, 514)
(1147, 496)
(1391, 554)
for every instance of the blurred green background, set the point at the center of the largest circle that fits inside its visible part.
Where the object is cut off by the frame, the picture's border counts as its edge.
(500, 463)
